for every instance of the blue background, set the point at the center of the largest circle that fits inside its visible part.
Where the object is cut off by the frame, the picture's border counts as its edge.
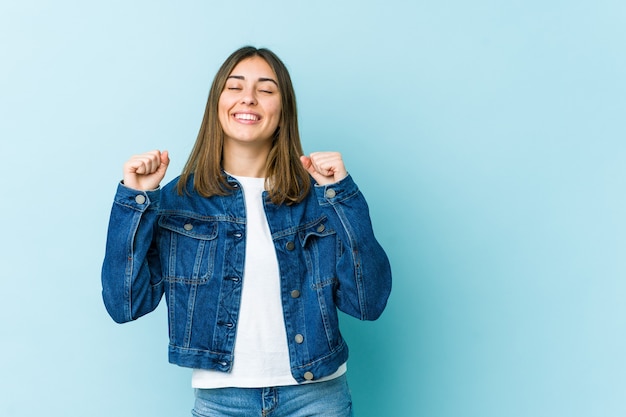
(488, 136)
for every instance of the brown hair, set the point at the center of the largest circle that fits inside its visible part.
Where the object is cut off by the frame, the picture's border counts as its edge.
(286, 179)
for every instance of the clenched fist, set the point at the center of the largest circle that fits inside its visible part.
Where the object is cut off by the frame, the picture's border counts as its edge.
(145, 171)
(325, 167)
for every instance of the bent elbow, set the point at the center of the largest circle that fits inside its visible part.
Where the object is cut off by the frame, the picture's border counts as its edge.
(375, 309)
(116, 310)
(382, 291)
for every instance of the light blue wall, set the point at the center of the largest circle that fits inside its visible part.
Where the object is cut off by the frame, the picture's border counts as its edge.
(488, 136)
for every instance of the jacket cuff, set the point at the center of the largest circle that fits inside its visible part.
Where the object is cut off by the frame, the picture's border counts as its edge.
(136, 199)
(336, 192)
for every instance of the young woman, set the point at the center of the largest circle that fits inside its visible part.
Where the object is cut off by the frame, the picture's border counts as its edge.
(255, 247)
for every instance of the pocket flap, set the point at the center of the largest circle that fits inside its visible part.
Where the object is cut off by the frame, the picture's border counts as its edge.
(318, 228)
(189, 226)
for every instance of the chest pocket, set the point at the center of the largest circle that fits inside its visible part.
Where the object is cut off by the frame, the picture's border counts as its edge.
(187, 246)
(320, 247)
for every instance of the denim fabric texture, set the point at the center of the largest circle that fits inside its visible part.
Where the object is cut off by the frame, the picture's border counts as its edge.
(289, 401)
(192, 248)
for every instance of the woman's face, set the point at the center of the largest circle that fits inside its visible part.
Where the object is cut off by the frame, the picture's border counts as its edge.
(249, 107)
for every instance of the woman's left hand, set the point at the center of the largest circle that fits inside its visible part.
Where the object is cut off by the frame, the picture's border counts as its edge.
(325, 167)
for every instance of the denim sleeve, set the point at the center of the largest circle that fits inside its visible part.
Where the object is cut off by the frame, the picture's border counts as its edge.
(363, 269)
(132, 282)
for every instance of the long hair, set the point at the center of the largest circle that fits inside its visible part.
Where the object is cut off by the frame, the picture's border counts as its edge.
(286, 179)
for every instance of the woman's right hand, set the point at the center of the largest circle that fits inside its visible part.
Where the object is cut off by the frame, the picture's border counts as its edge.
(145, 171)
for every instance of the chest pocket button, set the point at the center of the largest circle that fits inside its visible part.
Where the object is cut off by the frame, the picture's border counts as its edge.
(188, 226)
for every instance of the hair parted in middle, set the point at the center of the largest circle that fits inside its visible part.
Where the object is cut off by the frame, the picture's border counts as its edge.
(286, 179)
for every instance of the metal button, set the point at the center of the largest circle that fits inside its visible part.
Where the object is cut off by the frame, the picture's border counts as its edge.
(295, 294)
(321, 228)
(299, 338)
(238, 234)
(308, 376)
(140, 199)
(188, 226)
(330, 193)
(290, 245)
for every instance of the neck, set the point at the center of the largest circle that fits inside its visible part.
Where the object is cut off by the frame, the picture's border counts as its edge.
(245, 161)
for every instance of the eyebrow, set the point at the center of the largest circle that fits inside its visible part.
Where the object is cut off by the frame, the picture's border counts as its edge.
(262, 79)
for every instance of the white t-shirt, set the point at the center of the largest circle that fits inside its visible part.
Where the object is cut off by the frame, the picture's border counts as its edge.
(261, 354)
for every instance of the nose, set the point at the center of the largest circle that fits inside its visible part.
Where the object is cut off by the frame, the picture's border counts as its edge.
(248, 97)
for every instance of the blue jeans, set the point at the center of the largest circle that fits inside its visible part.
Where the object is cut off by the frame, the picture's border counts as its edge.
(321, 399)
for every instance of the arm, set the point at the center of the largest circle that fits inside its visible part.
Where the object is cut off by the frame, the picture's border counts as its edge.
(363, 268)
(131, 275)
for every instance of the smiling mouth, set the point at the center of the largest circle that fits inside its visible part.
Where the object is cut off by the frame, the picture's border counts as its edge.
(247, 116)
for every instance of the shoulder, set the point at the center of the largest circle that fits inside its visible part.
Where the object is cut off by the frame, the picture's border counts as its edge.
(172, 185)
(171, 194)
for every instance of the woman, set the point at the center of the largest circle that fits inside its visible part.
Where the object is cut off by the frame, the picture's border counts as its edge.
(255, 247)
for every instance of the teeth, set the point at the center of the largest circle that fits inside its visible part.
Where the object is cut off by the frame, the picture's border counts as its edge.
(246, 116)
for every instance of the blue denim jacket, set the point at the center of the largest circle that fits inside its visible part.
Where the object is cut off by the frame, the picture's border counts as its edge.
(192, 249)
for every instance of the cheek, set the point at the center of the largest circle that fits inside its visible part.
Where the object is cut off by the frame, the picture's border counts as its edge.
(221, 104)
(276, 110)
(222, 111)
(221, 118)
